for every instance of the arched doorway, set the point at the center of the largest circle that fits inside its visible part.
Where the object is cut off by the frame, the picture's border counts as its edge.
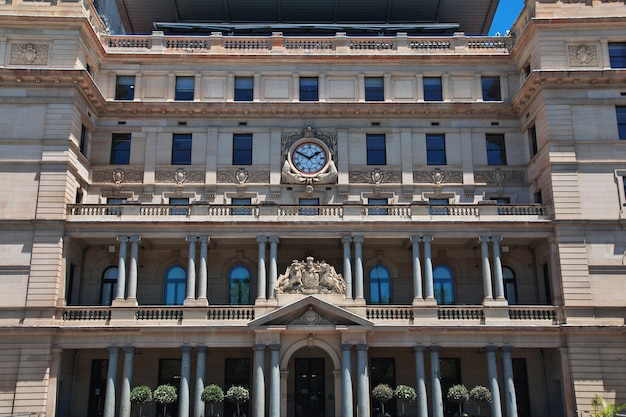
(310, 384)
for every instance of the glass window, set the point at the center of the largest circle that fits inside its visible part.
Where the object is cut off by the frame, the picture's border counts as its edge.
(374, 89)
(239, 285)
(621, 122)
(125, 87)
(450, 371)
(538, 197)
(181, 149)
(491, 88)
(242, 149)
(377, 211)
(184, 88)
(114, 211)
(443, 278)
(508, 277)
(376, 149)
(432, 89)
(241, 211)
(532, 136)
(182, 209)
(436, 149)
(309, 89)
(380, 285)
(83, 139)
(175, 285)
(244, 88)
(617, 54)
(109, 285)
(496, 151)
(120, 149)
(308, 211)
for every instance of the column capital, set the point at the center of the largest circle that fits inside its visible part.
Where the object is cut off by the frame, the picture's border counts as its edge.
(201, 348)
(113, 349)
(484, 239)
(434, 348)
(122, 239)
(259, 347)
(428, 239)
(346, 346)
(135, 239)
(185, 348)
(191, 238)
(273, 239)
(507, 348)
(261, 239)
(496, 239)
(204, 239)
(418, 348)
(491, 348)
(358, 239)
(275, 347)
(361, 347)
(346, 239)
(129, 349)
(415, 239)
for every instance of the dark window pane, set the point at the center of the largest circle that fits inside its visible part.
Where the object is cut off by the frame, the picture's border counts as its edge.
(383, 371)
(436, 149)
(380, 285)
(621, 122)
(308, 211)
(175, 285)
(532, 134)
(184, 88)
(83, 139)
(376, 150)
(309, 89)
(179, 211)
(617, 54)
(374, 89)
(491, 89)
(432, 89)
(377, 211)
(120, 149)
(496, 152)
(242, 149)
(241, 211)
(443, 278)
(125, 87)
(181, 149)
(244, 88)
(239, 285)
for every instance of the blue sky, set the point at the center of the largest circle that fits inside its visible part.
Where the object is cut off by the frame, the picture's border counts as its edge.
(507, 12)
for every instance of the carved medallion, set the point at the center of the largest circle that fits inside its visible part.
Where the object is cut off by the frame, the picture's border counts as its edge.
(310, 318)
(243, 176)
(30, 53)
(118, 176)
(376, 176)
(310, 277)
(582, 55)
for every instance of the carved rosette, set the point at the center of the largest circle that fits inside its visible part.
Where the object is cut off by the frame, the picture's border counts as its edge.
(310, 277)
(179, 176)
(243, 176)
(500, 177)
(118, 176)
(582, 55)
(376, 176)
(438, 177)
(29, 53)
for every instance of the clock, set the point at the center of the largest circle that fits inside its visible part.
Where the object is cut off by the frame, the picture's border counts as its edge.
(309, 158)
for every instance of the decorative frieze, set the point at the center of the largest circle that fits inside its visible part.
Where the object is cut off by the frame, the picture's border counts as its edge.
(375, 176)
(179, 176)
(500, 177)
(29, 53)
(118, 176)
(438, 176)
(243, 176)
(582, 55)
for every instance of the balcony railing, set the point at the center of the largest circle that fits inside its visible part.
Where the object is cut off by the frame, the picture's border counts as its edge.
(328, 213)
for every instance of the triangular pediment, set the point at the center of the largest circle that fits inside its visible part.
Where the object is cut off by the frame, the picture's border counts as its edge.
(310, 311)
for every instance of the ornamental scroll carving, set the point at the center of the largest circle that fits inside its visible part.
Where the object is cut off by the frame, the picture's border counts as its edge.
(179, 176)
(118, 176)
(310, 277)
(582, 55)
(375, 177)
(243, 176)
(329, 140)
(29, 53)
(310, 318)
(438, 176)
(500, 177)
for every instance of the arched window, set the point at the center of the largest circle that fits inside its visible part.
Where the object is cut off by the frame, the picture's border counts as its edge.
(510, 293)
(443, 278)
(109, 284)
(380, 285)
(239, 285)
(175, 285)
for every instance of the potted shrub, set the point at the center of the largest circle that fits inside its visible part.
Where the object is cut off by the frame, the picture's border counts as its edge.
(165, 394)
(212, 394)
(405, 393)
(140, 395)
(480, 395)
(602, 408)
(237, 394)
(382, 393)
(458, 394)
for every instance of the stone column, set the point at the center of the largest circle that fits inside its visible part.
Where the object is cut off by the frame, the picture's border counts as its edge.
(198, 404)
(262, 284)
(120, 290)
(358, 268)
(436, 394)
(132, 268)
(420, 387)
(568, 391)
(191, 269)
(127, 381)
(492, 373)
(346, 380)
(53, 387)
(510, 398)
(274, 381)
(273, 240)
(497, 268)
(203, 269)
(109, 395)
(363, 395)
(429, 285)
(484, 254)
(183, 394)
(347, 266)
(258, 409)
(417, 269)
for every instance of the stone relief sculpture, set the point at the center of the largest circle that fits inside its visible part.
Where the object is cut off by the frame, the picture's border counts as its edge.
(310, 277)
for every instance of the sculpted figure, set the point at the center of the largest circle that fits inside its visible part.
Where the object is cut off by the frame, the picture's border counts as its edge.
(310, 277)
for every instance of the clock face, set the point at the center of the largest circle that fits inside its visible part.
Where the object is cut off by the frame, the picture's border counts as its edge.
(309, 158)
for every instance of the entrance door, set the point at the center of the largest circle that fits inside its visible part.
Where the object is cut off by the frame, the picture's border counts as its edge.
(97, 387)
(310, 391)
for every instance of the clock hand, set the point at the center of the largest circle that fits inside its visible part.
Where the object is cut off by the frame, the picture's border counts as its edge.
(300, 153)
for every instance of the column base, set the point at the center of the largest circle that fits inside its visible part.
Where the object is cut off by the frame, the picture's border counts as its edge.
(200, 302)
(425, 302)
(120, 302)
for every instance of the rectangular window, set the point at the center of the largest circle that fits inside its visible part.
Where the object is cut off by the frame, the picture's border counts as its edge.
(120, 149)
(184, 89)
(181, 149)
(114, 211)
(491, 88)
(180, 206)
(532, 137)
(438, 206)
(237, 372)
(538, 197)
(496, 151)
(374, 89)
(125, 87)
(521, 385)
(450, 371)
(432, 89)
(309, 90)
(242, 210)
(376, 149)
(169, 372)
(244, 88)
(617, 54)
(621, 122)
(83, 139)
(436, 149)
(242, 149)
(308, 211)
(377, 211)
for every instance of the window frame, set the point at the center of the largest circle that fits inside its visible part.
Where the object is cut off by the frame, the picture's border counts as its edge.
(377, 211)
(436, 149)
(177, 298)
(244, 89)
(184, 92)
(620, 116)
(532, 137)
(495, 144)
(181, 148)
(310, 92)
(82, 144)
(242, 148)
(180, 206)
(241, 208)
(125, 87)
(491, 88)
(617, 54)
(241, 298)
(376, 148)
(108, 285)
(434, 91)
(449, 280)
(311, 206)
(510, 285)
(374, 92)
(120, 149)
(378, 285)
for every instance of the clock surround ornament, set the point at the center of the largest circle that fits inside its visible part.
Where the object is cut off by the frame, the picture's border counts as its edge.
(308, 160)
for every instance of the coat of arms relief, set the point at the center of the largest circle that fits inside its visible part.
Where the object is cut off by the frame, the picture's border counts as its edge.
(310, 277)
